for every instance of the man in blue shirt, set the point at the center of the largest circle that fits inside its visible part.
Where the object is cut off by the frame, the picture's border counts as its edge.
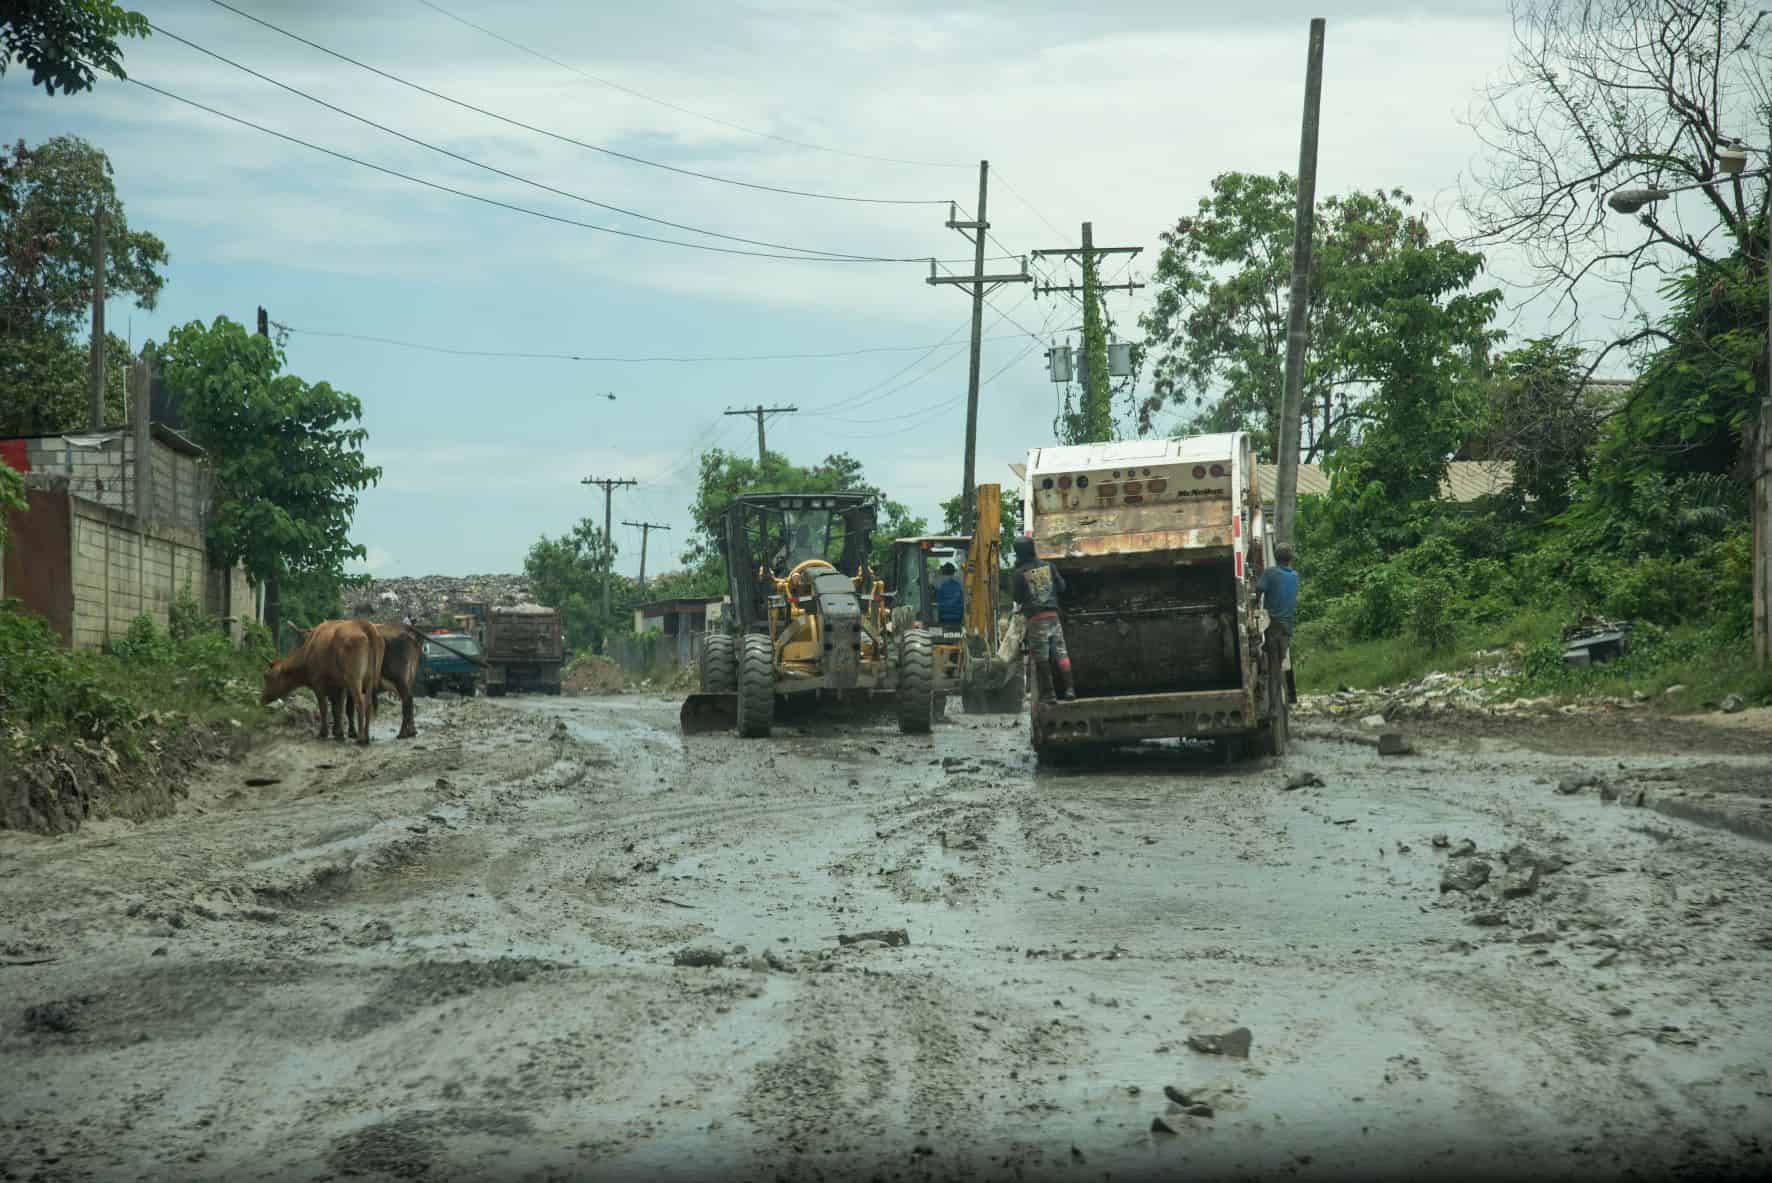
(1277, 591)
(950, 599)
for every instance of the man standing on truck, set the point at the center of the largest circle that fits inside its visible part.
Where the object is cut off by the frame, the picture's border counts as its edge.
(1277, 591)
(1037, 588)
(950, 599)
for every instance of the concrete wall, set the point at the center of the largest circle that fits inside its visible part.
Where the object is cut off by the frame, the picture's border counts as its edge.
(120, 573)
(100, 468)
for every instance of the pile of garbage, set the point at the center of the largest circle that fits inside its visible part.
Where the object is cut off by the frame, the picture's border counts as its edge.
(428, 596)
(1438, 693)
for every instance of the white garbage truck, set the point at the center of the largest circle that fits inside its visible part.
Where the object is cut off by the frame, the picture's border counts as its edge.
(1160, 543)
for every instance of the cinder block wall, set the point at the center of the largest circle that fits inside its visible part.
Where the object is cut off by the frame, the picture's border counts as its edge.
(120, 574)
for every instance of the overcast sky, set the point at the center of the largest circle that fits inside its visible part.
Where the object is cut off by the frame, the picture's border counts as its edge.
(1118, 113)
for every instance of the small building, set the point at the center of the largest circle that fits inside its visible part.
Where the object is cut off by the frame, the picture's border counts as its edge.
(113, 529)
(682, 622)
(1466, 480)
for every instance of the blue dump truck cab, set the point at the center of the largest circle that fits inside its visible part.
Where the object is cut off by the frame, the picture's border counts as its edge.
(442, 669)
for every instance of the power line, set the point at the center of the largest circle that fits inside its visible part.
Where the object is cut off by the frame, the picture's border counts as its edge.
(1017, 195)
(777, 246)
(517, 45)
(513, 207)
(565, 139)
(630, 360)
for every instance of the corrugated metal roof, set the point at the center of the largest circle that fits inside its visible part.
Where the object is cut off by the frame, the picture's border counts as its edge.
(1466, 480)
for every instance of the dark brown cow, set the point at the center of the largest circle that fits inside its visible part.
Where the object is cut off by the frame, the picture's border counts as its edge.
(339, 661)
(404, 649)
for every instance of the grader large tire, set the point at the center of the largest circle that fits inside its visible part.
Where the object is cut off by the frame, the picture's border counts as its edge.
(756, 688)
(916, 677)
(719, 664)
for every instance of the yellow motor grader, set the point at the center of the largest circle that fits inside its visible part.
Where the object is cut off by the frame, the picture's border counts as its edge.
(808, 619)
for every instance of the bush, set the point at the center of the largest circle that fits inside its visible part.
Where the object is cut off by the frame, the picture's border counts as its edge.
(1430, 616)
(44, 689)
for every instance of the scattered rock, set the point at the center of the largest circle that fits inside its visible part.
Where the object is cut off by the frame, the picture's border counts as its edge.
(1538, 938)
(1235, 1042)
(1676, 688)
(1375, 722)
(1521, 882)
(1179, 1096)
(1394, 743)
(886, 936)
(1464, 849)
(1441, 841)
(259, 782)
(1199, 1109)
(1733, 705)
(1570, 785)
(1159, 1126)
(374, 932)
(699, 958)
(1302, 780)
(1489, 919)
(1465, 877)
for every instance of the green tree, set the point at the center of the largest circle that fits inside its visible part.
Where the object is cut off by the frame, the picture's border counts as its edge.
(12, 496)
(65, 43)
(1539, 418)
(568, 573)
(47, 198)
(1390, 313)
(286, 458)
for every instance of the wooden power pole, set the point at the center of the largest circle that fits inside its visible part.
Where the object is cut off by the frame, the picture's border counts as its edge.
(646, 529)
(1097, 416)
(98, 317)
(981, 285)
(759, 411)
(609, 485)
(1297, 325)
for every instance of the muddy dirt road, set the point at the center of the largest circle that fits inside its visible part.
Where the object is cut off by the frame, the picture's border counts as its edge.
(489, 953)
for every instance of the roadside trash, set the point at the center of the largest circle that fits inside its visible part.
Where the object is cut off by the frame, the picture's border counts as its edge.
(886, 936)
(1232, 1043)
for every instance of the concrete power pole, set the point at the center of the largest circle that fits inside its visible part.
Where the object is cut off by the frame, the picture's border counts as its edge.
(646, 529)
(759, 411)
(98, 317)
(1762, 491)
(1097, 416)
(609, 485)
(978, 281)
(1297, 327)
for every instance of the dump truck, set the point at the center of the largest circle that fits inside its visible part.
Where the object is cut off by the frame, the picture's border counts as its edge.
(1160, 543)
(978, 660)
(808, 622)
(522, 649)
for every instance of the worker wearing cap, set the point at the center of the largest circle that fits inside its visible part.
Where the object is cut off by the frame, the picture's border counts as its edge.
(1037, 588)
(950, 598)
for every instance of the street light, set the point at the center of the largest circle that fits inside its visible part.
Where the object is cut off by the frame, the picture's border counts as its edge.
(1731, 159)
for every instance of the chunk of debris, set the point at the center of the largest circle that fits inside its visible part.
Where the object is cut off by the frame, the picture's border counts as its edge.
(1542, 937)
(1231, 1043)
(1159, 1126)
(886, 936)
(1733, 705)
(1568, 786)
(1374, 721)
(1302, 780)
(700, 957)
(1489, 919)
(1465, 877)
(1464, 849)
(1441, 841)
(259, 782)
(1198, 1109)
(1179, 1096)
(1394, 743)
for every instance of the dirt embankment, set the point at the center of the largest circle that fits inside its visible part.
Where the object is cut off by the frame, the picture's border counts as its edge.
(56, 790)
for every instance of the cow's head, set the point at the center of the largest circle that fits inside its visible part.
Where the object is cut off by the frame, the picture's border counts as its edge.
(280, 679)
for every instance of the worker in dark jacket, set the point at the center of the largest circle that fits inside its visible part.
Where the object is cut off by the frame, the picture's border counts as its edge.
(1037, 588)
(950, 599)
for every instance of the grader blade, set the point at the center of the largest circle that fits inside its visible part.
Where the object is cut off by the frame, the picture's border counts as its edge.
(704, 713)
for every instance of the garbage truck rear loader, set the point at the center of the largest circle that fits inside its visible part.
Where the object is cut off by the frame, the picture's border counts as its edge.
(1160, 543)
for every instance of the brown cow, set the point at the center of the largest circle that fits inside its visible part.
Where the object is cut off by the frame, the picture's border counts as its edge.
(338, 660)
(403, 650)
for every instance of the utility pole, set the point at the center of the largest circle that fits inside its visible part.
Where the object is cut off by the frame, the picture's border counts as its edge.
(98, 317)
(609, 486)
(646, 529)
(1096, 421)
(759, 411)
(1297, 327)
(978, 280)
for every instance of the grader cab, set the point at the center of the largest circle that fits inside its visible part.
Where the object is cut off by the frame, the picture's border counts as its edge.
(809, 620)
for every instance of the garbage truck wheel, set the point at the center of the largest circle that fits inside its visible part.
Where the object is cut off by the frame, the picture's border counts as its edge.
(719, 664)
(916, 675)
(756, 687)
